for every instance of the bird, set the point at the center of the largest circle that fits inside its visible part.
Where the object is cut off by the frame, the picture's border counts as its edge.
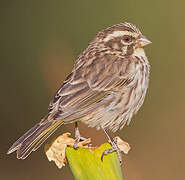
(106, 87)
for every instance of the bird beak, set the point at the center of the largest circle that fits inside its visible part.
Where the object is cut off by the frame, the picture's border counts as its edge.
(143, 41)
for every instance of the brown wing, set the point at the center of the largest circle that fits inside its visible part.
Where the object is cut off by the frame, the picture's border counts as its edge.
(91, 84)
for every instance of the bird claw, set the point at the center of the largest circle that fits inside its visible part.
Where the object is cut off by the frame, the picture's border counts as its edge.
(107, 151)
(77, 140)
(114, 148)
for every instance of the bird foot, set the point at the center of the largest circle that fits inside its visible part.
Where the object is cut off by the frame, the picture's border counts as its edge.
(78, 137)
(77, 140)
(114, 148)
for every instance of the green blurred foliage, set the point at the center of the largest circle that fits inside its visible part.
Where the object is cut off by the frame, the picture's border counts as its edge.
(39, 41)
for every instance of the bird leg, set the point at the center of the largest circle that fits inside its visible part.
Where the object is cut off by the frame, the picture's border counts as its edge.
(78, 137)
(114, 147)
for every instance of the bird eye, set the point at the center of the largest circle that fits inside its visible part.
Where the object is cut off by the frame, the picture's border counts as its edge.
(127, 39)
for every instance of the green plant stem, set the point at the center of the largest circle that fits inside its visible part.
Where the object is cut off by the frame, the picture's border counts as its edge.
(86, 164)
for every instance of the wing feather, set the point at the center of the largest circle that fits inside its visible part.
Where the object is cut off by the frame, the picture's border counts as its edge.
(88, 87)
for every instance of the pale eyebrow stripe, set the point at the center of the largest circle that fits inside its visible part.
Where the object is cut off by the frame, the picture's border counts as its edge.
(119, 33)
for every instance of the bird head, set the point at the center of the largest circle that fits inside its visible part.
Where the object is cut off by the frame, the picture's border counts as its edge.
(124, 38)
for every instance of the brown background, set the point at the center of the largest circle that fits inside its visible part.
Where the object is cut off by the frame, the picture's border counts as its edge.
(39, 41)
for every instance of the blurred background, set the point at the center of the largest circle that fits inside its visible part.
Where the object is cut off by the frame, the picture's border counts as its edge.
(39, 42)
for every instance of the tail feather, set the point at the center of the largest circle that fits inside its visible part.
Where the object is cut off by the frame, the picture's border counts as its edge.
(16, 145)
(28, 144)
(34, 138)
(41, 141)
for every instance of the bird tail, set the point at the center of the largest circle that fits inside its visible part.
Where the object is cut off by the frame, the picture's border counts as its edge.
(34, 138)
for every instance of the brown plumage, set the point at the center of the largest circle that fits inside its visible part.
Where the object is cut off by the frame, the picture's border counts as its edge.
(105, 89)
